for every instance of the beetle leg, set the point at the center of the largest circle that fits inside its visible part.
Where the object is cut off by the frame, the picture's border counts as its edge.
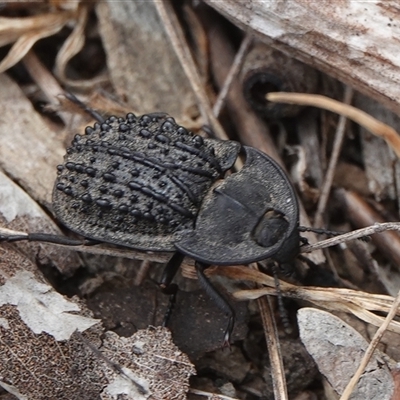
(218, 298)
(47, 238)
(165, 284)
(170, 271)
(281, 307)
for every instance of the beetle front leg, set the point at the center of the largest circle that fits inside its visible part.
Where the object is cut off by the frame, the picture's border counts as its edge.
(218, 299)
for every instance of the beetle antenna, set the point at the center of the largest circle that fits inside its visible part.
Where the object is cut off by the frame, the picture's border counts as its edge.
(93, 113)
(209, 131)
(328, 232)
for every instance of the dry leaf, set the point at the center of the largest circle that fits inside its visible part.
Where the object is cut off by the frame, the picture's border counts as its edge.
(150, 359)
(25, 32)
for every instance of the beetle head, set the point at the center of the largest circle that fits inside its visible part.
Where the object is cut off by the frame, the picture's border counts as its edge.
(251, 215)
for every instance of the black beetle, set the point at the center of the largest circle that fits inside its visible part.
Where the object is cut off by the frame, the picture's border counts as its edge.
(149, 184)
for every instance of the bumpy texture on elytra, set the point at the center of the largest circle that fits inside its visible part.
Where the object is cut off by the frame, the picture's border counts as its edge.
(138, 181)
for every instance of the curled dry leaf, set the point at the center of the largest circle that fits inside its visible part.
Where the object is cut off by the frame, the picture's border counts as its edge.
(72, 46)
(337, 349)
(25, 32)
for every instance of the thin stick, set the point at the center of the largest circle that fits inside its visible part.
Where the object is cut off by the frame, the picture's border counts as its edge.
(233, 72)
(371, 348)
(43, 78)
(376, 127)
(274, 349)
(337, 146)
(176, 36)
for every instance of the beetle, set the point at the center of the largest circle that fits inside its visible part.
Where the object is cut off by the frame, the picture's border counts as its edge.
(147, 183)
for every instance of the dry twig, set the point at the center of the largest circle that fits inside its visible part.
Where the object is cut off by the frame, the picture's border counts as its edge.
(376, 127)
(337, 145)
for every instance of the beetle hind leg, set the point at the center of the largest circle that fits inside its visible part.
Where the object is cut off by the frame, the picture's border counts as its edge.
(220, 301)
(166, 285)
